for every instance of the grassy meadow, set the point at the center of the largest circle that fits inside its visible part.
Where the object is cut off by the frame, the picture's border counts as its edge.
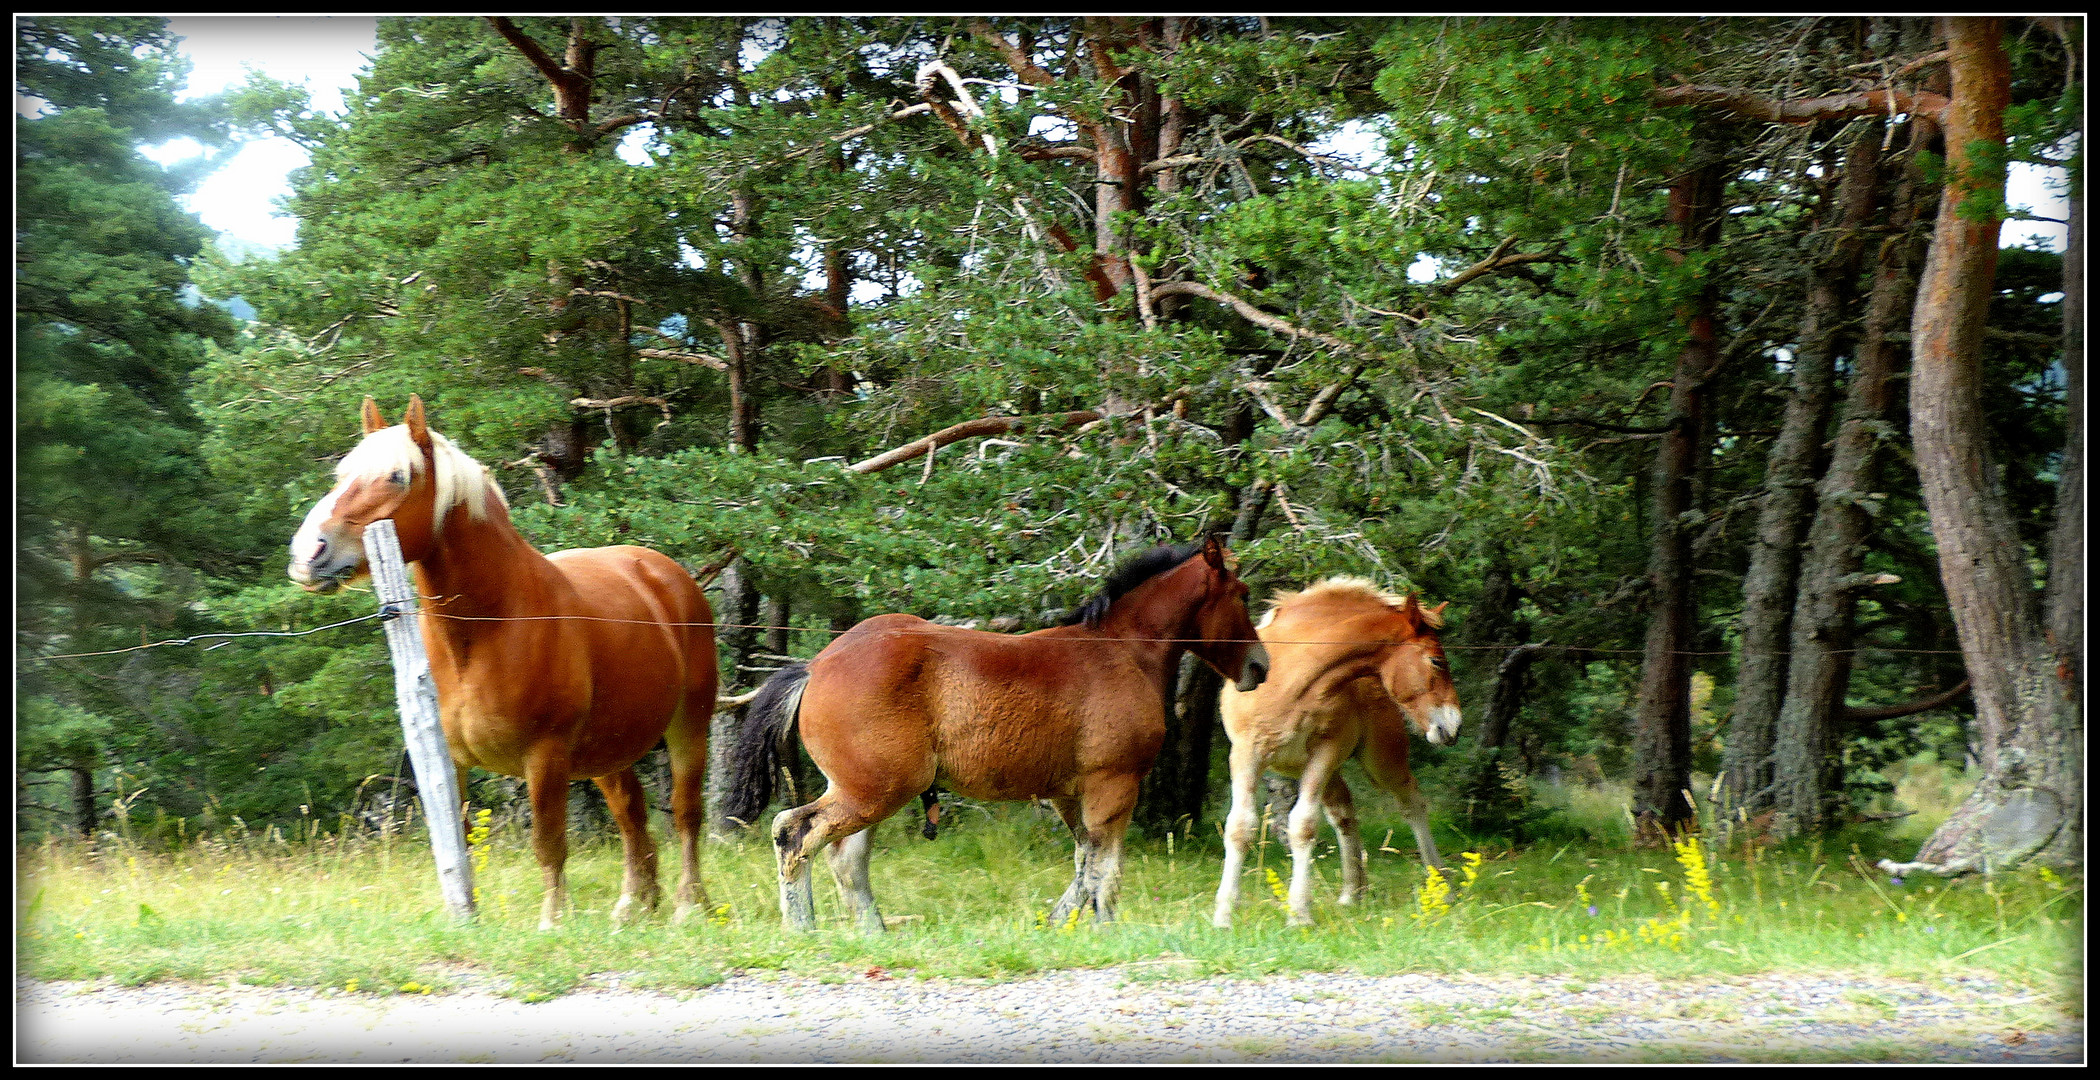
(361, 913)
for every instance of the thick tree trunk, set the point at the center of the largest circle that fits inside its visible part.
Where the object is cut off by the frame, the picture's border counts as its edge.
(2029, 800)
(2065, 602)
(1822, 634)
(1173, 794)
(735, 616)
(1662, 743)
(1784, 510)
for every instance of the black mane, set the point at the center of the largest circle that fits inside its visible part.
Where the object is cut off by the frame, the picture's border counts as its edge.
(1134, 571)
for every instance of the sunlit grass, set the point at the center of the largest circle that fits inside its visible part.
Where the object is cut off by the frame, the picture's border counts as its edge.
(364, 914)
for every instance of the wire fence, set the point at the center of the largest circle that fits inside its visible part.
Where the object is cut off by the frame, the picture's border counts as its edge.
(1092, 638)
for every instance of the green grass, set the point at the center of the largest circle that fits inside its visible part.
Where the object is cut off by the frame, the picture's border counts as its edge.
(338, 912)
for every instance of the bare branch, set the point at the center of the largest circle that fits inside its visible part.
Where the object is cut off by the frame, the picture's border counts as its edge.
(986, 425)
(1756, 106)
(1251, 313)
(701, 359)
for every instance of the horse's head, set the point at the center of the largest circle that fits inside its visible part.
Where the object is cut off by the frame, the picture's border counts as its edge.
(405, 472)
(1227, 642)
(1415, 672)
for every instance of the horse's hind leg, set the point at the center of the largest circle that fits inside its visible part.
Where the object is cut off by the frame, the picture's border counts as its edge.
(849, 864)
(1322, 760)
(630, 809)
(687, 742)
(1341, 813)
(800, 832)
(798, 909)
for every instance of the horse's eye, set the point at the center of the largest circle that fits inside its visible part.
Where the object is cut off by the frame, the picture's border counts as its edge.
(1437, 662)
(399, 478)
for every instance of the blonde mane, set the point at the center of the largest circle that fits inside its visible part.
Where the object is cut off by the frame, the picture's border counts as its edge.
(1343, 583)
(457, 477)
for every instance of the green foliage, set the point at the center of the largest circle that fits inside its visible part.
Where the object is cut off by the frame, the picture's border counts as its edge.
(1456, 359)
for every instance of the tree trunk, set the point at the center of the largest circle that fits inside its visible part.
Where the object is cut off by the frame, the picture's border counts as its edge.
(2065, 603)
(82, 777)
(1784, 510)
(1172, 795)
(1821, 641)
(734, 616)
(2029, 800)
(1662, 750)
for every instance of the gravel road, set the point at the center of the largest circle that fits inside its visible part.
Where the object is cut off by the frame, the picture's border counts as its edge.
(1137, 1013)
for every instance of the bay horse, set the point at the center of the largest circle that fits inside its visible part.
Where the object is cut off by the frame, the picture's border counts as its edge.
(548, 667)
(1349, 660)
(1074, 714)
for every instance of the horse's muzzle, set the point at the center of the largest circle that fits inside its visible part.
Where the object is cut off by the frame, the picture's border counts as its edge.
(1254, 669)
(1443, 725)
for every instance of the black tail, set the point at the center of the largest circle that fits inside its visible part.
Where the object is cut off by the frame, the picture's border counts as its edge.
(755, 762)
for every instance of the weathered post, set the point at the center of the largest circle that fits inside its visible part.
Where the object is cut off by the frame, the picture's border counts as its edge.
(415, 695)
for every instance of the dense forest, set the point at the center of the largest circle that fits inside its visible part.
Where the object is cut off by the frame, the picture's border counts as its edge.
(1678, 355)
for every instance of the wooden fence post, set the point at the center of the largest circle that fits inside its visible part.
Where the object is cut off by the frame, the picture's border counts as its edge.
(416, 697)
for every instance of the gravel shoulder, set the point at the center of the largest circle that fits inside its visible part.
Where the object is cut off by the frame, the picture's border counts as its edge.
(1134, 1014)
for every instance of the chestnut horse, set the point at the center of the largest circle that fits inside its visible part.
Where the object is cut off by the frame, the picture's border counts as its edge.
(1074, 714)
(550, 667)
(1349, 659)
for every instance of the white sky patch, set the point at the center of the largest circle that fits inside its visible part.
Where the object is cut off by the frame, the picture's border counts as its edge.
(239, 199)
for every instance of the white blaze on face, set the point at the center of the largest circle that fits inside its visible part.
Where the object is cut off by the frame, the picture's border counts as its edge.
(306, 543)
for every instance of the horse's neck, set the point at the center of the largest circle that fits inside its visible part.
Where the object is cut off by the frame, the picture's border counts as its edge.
(1151, 623)
(482, 567)
(1338, 652)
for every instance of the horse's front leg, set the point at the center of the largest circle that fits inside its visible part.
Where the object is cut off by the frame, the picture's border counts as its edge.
(1239, 830)
(547, 785)
(630, 809)
(1079, 892)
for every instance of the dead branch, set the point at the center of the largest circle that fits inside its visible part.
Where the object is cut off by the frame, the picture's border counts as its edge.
(984, 425)
(701, 359)
(1251, 313)
(1756, 106)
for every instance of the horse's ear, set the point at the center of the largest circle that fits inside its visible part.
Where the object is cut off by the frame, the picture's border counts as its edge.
(373, 420)
(417, 429)
(1214, 552)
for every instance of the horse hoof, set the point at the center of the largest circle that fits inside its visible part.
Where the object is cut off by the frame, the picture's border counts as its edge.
(681, 914)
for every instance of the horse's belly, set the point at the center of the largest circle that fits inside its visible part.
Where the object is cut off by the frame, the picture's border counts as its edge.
(1006, 787)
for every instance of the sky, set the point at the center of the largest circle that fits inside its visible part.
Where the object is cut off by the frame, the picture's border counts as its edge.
(326, 53)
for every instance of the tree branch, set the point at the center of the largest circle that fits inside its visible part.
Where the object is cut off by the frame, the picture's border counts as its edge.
(1757, 106)
(701, 359)
(986, 425)
(1891, 712)
(1251, 313)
